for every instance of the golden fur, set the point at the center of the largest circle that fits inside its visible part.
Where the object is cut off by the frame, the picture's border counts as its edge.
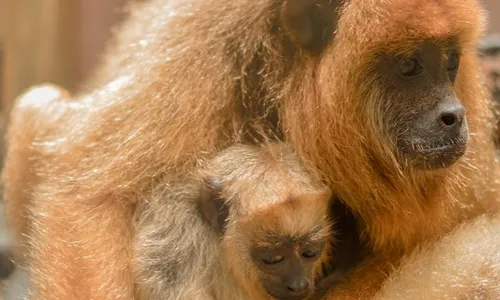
(187, 79)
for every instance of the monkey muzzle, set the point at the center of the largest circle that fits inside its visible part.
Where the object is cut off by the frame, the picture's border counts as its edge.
(294, 289)
(437, 139)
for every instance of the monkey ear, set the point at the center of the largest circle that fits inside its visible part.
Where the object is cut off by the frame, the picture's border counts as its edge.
(212, 206)
(310, 23)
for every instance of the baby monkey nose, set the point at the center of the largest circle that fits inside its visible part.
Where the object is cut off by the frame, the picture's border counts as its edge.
(298, 285)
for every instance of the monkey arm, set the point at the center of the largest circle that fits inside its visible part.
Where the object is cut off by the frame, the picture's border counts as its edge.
(465, 264)
(32, 117)
(80, 251)
(74, 249)
(362, 282)
(462, 265)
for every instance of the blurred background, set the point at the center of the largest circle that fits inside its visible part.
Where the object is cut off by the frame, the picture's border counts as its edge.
(60, 41)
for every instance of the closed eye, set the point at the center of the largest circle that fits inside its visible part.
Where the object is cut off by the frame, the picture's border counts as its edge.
(272, 260)
(309, 253)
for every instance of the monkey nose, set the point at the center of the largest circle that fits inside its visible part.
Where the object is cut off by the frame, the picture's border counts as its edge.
(452, 116)
(298, 285)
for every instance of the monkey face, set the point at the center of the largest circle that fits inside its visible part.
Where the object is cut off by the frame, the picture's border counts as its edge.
(422, 114)
(286, 267)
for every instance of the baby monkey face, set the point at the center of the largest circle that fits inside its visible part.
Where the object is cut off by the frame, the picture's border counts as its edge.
(286, 265)
(285, 242)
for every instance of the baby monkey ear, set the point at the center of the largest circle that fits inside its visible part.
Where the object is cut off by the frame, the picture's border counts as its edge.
(211, 204)
(310, 23)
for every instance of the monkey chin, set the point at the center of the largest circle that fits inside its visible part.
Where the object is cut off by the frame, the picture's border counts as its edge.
(273, 297)
(439, 154)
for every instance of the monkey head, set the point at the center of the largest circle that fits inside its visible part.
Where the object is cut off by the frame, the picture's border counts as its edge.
(394, 90)
(413, 90)
(274, 247)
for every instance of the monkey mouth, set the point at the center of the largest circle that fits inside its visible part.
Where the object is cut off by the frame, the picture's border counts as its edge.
(275, 297)
(435, 154)
(438, 146)
(288, 297)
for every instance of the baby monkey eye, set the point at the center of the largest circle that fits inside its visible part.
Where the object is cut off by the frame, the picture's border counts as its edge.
(409, 67)
(453, 62)
(272, 260)
(309, 253)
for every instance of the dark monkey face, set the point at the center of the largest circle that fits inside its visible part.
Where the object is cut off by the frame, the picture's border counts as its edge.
(422, 114)
(287, 268)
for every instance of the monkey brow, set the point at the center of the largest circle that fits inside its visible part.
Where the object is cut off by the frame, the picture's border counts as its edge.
(409, 46)
(268, 245)
(277, 240)
(274, 240)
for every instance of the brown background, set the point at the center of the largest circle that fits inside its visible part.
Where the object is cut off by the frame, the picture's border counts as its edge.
(493, 7)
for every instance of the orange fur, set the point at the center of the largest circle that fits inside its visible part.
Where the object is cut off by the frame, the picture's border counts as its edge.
(396, 196)
(184, 81)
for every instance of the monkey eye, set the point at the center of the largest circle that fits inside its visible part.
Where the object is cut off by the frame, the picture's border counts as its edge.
(272, 260)
(453, 62)
(409, 67)
(309, 253)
